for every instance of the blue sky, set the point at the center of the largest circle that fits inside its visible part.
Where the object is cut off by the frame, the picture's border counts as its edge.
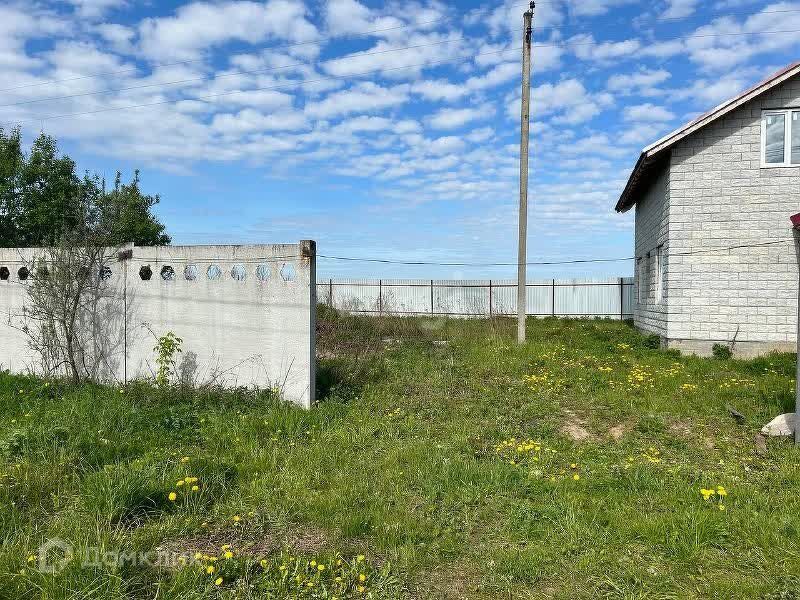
(284, 120)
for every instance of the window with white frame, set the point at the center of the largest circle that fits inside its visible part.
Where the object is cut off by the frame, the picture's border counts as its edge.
(659, 273)
(780, 138)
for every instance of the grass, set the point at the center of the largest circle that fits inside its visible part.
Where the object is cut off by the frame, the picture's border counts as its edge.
(571, 467)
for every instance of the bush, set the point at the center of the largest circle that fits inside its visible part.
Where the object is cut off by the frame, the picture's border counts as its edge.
(721, 351)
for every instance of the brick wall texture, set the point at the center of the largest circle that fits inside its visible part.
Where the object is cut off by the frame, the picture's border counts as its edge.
(715, 194)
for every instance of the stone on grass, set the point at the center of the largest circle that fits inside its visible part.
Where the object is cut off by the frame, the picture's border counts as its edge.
(780, 426)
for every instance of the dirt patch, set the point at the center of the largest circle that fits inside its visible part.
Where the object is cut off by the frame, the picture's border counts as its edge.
(574, 427)
(617, 432)
(450, 582)
(255, 544)
(684, 429)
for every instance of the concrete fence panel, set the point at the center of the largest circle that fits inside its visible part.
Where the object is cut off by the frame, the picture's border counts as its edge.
(246, 314)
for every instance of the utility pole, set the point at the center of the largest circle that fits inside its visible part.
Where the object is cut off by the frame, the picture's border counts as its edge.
(522, 303)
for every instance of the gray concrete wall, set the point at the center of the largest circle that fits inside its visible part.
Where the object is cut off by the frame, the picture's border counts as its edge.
(652, 230)
(720, 196)
(252, 330)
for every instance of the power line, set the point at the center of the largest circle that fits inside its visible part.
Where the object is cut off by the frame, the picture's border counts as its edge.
(263, 259)
(361, 74)
(330, 38)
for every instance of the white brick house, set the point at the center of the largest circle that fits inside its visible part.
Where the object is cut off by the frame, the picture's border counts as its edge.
(729, 178)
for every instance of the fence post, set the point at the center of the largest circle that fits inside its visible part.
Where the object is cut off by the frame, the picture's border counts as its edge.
(330, 292)
(432, 309)
(491, 312)
(553, 298)
(621, 300)
(380, 297)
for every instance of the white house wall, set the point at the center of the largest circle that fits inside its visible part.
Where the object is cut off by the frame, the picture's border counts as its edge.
(652, 227)
(720, 196)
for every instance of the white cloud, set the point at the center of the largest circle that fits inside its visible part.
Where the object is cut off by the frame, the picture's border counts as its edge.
(199, 26)
(92, 9)
(387, 56)
(647, 113)
(453, 118)
(349, 16)
(727, 42)
(438, 89)
(586, 48)
(591, 8)
(679, 9)
(568, 100)
(642, 133)
(641, 82)
(249, 121)
(363, 97)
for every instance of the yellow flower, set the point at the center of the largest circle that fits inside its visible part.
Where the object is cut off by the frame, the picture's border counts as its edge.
(198, 556)
(225, 546)
(320, 567)
(707, 493)
(237, 518)
(180, 483)
(228, 554)
(360, 558)
(721, 507)
(173, 496)
(263, 564)
(313, 563)
(218, 581)
(210, 569)
(195, 488)
(362, 578)
(576, 477)
(721, 491)
(31, 558)
(361, 589)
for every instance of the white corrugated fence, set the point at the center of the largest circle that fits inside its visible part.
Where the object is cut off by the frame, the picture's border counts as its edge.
(610, 298)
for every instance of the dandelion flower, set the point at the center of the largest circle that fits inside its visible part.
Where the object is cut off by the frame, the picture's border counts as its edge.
(237, 518)
(576, 477)
(228, 554)
(721, 491)
(263, 564)
(218, 581)
(210, 569)
(173, 496)
(195, 488)
(360, 558)
(362, 578)
(320, 567)
(180, 483)
(31, 558)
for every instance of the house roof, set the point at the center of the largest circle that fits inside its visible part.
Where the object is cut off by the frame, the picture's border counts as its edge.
(655, 155)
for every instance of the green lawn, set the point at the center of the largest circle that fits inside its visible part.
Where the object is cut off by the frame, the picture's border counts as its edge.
(436, 465)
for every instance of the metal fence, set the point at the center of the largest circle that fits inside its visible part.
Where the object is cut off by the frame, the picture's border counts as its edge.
(609, 298)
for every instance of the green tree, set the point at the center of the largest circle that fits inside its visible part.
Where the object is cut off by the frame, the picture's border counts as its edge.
(43, 201)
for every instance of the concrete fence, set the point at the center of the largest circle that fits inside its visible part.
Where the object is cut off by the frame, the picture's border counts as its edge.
(609, 298)
(246, 314)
